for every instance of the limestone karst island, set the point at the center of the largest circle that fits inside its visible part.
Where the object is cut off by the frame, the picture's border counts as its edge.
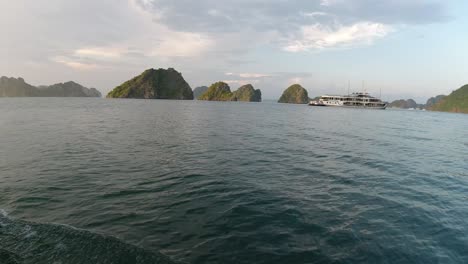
(155, 84)
(221, 91)
(17, 87)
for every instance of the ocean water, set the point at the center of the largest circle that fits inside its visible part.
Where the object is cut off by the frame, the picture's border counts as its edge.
(153, 181)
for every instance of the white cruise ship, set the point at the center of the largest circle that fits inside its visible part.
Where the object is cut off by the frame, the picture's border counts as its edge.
(354, 100)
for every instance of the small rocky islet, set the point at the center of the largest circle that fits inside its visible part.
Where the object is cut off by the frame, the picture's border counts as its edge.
(220, 91)
(294, 94)
(404, 104)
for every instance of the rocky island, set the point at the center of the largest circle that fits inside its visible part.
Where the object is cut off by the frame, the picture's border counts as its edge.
(17, 87)
(154, 84)
(221, 91)
(294, 94)
(247, 93)
(199, 91)
(68, 89)
(405, 104)
(456, 102)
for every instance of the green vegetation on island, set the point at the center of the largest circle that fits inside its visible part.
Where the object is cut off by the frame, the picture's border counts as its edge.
(155, 84)
(221, 91)
(434, 100)
(247, 93)
(405, 104)
(68, 89)
(17, 87)
(294, 94)
(456, 102)
(199, 91)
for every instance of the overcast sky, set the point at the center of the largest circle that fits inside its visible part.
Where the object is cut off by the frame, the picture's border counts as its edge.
(407, 48)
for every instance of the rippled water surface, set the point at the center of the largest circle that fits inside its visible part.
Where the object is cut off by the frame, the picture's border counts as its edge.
(208, 182)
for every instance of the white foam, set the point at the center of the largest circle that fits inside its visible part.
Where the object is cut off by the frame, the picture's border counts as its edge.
(28, 232)
(3, 213)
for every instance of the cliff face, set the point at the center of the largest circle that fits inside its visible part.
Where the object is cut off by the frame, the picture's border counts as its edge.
(294, 94)
(434, 100)
(155, 84)
(247, 93)
(12, 87)
(199, 91)
(456, 102)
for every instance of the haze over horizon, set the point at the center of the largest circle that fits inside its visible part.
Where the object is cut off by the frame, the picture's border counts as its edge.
(408, 49)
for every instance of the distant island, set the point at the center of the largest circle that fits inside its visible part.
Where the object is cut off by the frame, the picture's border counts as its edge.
(17, 87)
(294, 94)
(405, 104)
(154, 84)
(199, 91)
(456, 102)
(220, 91)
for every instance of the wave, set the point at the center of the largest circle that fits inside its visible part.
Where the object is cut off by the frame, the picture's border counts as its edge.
(29, 242)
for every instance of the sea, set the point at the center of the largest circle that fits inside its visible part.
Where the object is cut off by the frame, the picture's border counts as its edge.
(88, 180)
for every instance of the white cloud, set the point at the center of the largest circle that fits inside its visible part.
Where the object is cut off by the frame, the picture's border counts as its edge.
(241, 82)
(99, 52)
(74, 64)
(172, 43)
(294, 80)
(253, 75)
(326, 2)
(182, 44)
(315, 14)
(249, 75)
(318, 36)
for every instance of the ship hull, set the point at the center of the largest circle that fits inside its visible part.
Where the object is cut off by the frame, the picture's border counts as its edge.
(351, 106)
(355, 100)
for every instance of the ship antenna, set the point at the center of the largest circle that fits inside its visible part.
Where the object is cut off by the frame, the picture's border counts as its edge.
(349, 84)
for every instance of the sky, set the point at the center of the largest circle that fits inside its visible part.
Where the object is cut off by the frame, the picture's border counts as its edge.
(399, 48)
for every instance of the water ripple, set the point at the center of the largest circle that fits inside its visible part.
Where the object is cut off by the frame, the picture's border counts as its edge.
(207, 182)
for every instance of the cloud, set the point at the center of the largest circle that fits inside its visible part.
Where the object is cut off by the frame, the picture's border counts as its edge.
(246, 78)
(241, 82)
(182, 44)
(320, 37)
(235, 27)
(75, 64)
(285, 16)
(326, 2)
(99, 52)
(249, 75)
